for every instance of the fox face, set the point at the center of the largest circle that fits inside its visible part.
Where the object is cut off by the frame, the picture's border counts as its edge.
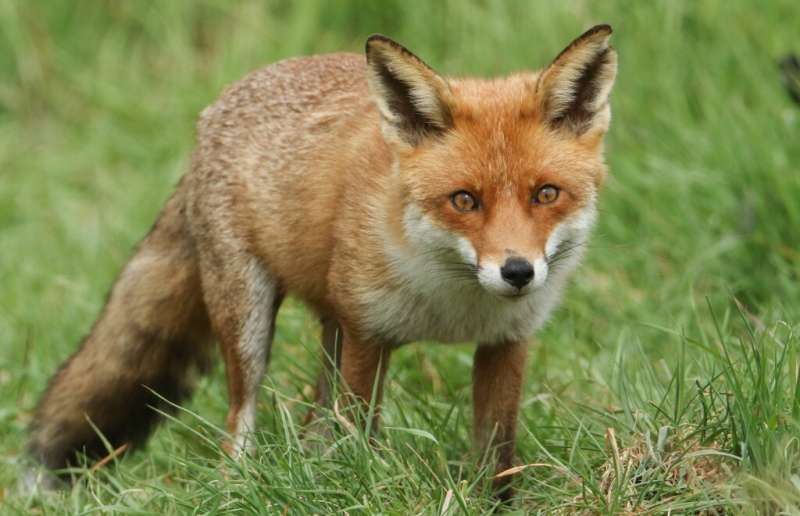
(506, 203)
(501, 177)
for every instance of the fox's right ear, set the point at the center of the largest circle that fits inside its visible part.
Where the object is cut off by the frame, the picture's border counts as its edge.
(574, 90)
(411, 97)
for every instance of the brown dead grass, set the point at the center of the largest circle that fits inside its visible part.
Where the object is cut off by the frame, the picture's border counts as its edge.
(644, 477)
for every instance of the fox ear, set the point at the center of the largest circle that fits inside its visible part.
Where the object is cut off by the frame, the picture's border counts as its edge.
(575, 88)
(411, 97)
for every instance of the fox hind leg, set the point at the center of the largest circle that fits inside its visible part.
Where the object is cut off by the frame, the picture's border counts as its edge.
(243, 298)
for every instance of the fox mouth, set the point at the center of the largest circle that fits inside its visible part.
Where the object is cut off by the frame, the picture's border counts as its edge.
(466, 273)
(491, 283)
(514, 295)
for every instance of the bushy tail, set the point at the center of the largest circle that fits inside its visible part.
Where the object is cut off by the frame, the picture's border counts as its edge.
(151, 333)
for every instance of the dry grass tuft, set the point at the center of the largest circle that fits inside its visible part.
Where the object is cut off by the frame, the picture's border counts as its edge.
(646, 476)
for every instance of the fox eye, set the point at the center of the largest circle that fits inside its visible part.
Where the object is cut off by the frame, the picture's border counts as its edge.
(464, 201)
(545, 194)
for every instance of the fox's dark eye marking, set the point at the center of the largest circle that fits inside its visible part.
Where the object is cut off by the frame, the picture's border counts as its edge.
(464, 201)
(545, 195)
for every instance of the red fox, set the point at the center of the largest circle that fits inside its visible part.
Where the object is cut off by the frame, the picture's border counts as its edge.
(398, 204)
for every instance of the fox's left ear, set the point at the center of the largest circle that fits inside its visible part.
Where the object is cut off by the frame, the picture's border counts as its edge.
(574, 90)
(411, 97)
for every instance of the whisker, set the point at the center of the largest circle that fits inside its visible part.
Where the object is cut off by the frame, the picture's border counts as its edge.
(564, 251)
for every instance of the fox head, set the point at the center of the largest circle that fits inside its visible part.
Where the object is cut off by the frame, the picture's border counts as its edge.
(501, 176)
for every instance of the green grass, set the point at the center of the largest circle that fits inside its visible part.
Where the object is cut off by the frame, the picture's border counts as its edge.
(668, 381)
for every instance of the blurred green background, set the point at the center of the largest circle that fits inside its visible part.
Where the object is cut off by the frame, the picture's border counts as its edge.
(98, 101)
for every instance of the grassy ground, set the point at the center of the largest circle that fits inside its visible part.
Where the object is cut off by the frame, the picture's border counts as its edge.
(668, 381)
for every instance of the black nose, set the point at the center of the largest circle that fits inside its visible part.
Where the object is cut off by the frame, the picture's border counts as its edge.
(517, 272)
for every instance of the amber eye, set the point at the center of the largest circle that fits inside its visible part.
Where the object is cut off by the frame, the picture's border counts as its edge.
(546, 194)
(464, 201)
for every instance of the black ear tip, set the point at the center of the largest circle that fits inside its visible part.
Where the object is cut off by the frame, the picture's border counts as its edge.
(378, 44)
(598, 31)
(378, 39)
(603, 28)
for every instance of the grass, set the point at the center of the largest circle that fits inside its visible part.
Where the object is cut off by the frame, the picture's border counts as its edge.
(667, 382)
